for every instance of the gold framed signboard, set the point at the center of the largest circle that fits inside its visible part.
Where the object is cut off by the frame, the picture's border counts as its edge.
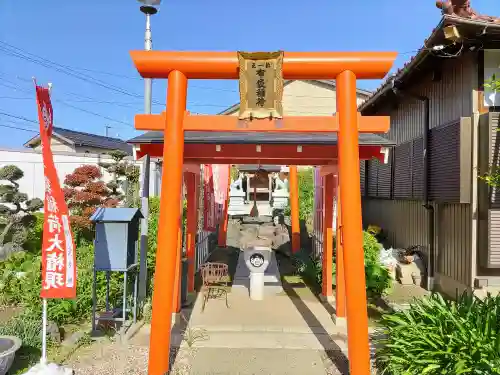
(261, 85)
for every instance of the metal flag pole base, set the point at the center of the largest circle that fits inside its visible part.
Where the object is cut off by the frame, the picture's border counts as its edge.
(43, 360)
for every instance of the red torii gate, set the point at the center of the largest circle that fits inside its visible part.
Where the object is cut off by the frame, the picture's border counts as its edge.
(344, 67)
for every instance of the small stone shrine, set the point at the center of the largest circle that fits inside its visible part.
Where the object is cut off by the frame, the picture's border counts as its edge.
(237, 197)
(280, 194)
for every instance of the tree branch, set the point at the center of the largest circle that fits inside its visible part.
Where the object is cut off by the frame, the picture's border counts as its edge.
(5, 231)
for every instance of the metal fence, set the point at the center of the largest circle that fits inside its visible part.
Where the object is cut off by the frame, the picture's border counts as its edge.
(203, 236)
(317, 233)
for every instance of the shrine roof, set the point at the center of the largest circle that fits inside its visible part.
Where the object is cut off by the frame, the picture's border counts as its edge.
(476, 34)
(255, 167)
(208, 137)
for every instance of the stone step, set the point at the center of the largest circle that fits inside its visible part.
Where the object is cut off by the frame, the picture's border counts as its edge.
(238, 361)
(262, 340)
(252, 328)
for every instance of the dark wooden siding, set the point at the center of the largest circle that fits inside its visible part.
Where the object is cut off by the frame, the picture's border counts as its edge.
(372, 178)
(406, 223)
(362, 175)
(450, 165)
(418, 169)
(454, 242)
(405, 220)
(450, 98)
(444, 163)
(403, 171)
(384, 181)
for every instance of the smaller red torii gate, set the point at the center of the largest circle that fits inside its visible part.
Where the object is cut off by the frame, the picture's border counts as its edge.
(344, 67)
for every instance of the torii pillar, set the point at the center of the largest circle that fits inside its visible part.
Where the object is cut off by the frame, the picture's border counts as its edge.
(352, 234)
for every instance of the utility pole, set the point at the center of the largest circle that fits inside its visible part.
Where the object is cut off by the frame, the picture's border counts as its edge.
(149, 9)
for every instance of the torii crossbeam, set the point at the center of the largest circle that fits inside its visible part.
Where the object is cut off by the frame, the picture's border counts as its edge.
(344, 67)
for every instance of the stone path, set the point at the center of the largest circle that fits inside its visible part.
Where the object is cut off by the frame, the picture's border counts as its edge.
(286, 333)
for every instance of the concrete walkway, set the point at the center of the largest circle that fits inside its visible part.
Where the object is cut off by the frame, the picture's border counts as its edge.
(291, 332)
(292, 335)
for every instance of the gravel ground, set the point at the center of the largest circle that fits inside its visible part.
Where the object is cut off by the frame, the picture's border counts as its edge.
(119, 359)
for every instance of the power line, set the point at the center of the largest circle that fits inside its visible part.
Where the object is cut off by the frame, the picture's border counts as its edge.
(14, 97)
(89, 99)
(18, 128)
(22, 54)
(19, 117)
(16, 87)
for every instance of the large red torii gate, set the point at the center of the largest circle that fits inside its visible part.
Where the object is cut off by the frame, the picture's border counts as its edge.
(344, 67)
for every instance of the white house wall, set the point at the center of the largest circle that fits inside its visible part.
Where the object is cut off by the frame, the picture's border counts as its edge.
(30, 162)
(57, 146)
(309, 98)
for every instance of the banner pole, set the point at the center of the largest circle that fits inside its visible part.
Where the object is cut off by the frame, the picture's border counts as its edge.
(43, 360)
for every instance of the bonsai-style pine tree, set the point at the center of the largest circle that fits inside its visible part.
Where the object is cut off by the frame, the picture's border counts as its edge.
(125, 178)
(16, 211)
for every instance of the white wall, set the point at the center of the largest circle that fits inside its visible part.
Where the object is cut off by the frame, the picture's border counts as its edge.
(57, 146)
(31, 163)
(491, 66)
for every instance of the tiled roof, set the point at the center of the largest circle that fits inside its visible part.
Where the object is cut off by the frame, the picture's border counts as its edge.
(260, 138)
(477, 31)
(255, 167)
(90, 140)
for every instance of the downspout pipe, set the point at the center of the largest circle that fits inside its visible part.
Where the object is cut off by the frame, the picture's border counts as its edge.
(425, 188)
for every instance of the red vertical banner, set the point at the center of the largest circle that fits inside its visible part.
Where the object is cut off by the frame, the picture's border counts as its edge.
(58, 247)
(220, 176)
(209, 206)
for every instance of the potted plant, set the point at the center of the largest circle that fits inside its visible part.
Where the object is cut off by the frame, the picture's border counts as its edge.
(493, 85)
(9, 345)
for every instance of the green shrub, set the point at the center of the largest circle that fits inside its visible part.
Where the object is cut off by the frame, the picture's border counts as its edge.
(307, 267)
(154, 217)
(35, 235)
(306, 193)
(24, 290)
(440, 337)
(378, 279)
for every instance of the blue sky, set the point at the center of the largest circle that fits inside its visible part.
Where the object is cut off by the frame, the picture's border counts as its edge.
(94, 37)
